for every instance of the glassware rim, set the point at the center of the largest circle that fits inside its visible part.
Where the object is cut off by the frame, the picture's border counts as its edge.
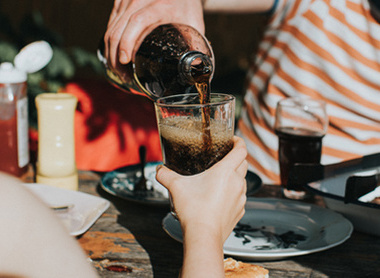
(297, 101)
(227, 98)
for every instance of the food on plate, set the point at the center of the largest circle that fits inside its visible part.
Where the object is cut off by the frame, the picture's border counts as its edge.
(237, 269)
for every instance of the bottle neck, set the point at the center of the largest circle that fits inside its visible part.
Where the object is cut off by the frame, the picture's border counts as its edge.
(195, 67)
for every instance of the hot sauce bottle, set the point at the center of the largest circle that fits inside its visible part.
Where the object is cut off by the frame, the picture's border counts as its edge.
(14, 148)
(14, 140)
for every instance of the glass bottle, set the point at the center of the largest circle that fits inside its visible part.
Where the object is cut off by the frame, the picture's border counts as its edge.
(167, 60)
(14, 139)
(14, 150)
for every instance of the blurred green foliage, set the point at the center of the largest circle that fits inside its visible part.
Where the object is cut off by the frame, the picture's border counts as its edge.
(63, 67)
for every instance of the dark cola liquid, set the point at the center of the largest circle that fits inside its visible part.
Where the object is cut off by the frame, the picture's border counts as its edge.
(297, 146)
(156, 62)
(202, 83)
(191, 145)
(160, 67)
(183, 144)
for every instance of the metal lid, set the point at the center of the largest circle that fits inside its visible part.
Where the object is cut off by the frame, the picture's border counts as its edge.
(10, 74)
(34, 56)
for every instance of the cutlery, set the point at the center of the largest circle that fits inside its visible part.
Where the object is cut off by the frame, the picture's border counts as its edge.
(140, 186)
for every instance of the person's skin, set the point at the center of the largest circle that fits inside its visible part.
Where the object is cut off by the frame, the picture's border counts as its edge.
(129, 18)
(33, 241)
(208, 206)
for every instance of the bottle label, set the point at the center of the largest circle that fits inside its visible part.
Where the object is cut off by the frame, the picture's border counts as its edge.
(22, 132)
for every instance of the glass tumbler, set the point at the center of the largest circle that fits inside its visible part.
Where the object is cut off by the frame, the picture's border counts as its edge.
(195, 136)
(300, 124)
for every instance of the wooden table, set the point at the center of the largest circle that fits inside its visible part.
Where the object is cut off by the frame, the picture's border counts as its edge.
(128, 241)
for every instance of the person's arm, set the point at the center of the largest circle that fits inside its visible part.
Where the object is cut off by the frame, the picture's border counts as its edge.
(208, 205)
(129, 18)
(33, 241)
(238, 6)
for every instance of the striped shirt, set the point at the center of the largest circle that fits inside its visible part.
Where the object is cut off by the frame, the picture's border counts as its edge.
(324, 49)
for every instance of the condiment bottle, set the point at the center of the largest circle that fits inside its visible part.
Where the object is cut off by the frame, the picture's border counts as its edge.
(14, 150)
(166, 60)
(56, 149)
(14, 140)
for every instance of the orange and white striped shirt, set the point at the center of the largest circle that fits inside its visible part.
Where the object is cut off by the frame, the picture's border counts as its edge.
(324, 49)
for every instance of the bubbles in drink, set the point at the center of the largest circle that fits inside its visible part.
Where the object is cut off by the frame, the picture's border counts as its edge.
(185, 149)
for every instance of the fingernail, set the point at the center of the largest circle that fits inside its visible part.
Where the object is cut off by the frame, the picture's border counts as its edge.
(158, 167)
(123, 57)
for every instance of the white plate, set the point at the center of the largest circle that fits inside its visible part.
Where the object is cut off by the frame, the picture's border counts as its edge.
(273, 229)
(85, 208)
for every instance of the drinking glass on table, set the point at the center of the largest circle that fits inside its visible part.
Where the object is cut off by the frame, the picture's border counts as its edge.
(300, 124)
(195, 136)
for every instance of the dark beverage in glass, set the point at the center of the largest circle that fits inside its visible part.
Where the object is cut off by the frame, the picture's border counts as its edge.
(184, 148)
(300, 125)
(196, 130)
(297, 145)
(190, 144)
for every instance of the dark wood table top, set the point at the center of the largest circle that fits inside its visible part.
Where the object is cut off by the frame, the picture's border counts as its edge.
(128, 241)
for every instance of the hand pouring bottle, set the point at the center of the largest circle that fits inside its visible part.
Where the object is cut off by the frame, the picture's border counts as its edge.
(166, 60)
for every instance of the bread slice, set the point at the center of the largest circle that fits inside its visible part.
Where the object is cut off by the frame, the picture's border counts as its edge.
(237, 269)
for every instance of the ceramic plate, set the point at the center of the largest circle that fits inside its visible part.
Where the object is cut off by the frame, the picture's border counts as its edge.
(121, 183)
(273, 229)
(84, 209)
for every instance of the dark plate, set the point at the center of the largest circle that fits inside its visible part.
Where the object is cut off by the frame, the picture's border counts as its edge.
(254, 183)
(364, 216)
(121, 182)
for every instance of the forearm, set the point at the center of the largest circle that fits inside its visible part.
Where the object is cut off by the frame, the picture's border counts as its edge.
(203, 255)
(237, 6)
(33, 241)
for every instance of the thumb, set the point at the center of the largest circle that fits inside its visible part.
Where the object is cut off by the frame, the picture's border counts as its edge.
(166, 177)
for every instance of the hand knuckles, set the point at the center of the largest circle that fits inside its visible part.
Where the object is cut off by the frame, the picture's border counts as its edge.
(138, 18)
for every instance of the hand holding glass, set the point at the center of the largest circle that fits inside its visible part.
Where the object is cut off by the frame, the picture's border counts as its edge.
(195, 136)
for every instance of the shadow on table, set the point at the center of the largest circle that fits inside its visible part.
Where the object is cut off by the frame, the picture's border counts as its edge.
(145, 223)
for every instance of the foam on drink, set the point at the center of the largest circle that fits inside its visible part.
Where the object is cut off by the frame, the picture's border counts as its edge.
(186, 150)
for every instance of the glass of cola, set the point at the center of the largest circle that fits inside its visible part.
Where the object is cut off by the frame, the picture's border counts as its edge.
(195, 136)
(300, 124)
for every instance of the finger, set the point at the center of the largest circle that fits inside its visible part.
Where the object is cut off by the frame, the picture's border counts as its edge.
(115, 30)
(111, 20)
(244, 189)
(166, 177)
(115, 34)
(236, 156)
(138, 23)
(115, 11)
(242, 169)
